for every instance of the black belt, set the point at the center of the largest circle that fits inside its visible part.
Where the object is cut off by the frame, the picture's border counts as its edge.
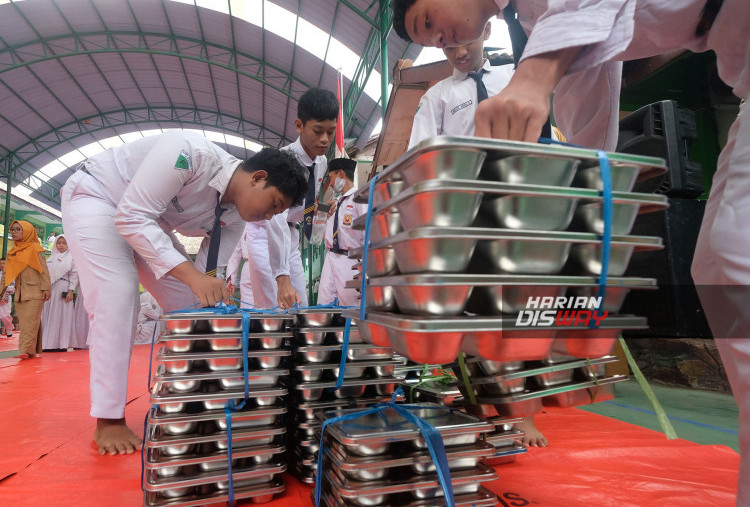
(339, 251)
(295, 225)
(708, 16)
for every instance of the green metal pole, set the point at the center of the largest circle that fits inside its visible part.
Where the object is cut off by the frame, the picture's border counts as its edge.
(384, 29)
(6, 218)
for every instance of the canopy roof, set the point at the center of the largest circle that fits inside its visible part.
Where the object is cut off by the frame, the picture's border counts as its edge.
(77, 72)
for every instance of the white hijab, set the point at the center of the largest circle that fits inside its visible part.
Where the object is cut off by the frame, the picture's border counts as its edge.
(59, 263)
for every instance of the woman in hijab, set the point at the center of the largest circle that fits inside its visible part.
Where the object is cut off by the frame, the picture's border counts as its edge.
(59, 314)
(28, 268)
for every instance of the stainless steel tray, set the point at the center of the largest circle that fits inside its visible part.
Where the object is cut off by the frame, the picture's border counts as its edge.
(504, 439)
(506, 455)
(265, 397)
(215, 459)
(187, 342)
(268, 470)
(498, 339)
(433, 392)
(265, 378)
(308, 411)
(456, 203)
(355, 352)
(261, 493)
(381, 368)
(450, 293)
(265, 416)
(351, 388)
(252, 437)
(316, 317)
(325, 335)
(431, 154)
(449, 250)
(185, 322)
(365, 468)
(481, 498)
(421, 486)
(375, 433)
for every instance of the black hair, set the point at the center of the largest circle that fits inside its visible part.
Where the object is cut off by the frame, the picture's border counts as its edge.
(399, 17)
(343, 164)
(284, 172)
(317, 104)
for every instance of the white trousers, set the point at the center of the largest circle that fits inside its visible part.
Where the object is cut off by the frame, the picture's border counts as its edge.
(721, 272)
(109, 272)
(246, 287)
(337, 271)
(263, 282)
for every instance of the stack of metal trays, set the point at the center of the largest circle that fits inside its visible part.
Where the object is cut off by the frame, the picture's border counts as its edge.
(381, 459)
(465, 232)
(368, 378)
(200, 370)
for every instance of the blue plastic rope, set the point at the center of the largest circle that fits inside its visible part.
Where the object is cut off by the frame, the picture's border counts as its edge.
(431, 437)
(365, 250)
(229, 408)
(344, 352)
(607, 236)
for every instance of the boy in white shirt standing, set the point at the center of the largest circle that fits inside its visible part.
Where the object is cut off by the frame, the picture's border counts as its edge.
(448, 107)
(340, 238)
(120, 208)
(282, 281)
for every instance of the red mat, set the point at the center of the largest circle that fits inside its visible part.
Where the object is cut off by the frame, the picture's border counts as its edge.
(46, 458)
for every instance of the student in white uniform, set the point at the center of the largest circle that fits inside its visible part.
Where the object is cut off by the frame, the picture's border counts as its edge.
(575, 50)
(148, 316)
(120, 209)
(317, 114)
(236, 276)
(340, 238)
(448, 108)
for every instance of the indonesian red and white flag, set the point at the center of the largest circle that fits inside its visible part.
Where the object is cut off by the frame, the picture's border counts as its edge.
(340, 151)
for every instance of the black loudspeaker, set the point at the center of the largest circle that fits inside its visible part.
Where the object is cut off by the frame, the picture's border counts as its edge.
(673, 310)
(664, 129)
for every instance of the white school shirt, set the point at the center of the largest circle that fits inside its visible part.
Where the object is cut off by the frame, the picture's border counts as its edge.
(168, 182)
(282, 240)
(241, 251)
(448, 108)
(586, 100)
(348, 213)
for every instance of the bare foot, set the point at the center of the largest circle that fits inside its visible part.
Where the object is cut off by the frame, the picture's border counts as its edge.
(113, 436)
(532, 437)
(22, 356)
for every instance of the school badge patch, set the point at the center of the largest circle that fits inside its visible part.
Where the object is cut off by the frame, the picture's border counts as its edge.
(347, 220)
(183, 161)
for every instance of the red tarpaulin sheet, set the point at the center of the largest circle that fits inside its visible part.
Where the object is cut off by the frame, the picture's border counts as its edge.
(46, 457)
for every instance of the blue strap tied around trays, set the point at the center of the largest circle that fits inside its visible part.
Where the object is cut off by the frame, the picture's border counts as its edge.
(606, 217)
(431, 437)
(365, 249)
(344, 352)
(229, 409)
(607, 236)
